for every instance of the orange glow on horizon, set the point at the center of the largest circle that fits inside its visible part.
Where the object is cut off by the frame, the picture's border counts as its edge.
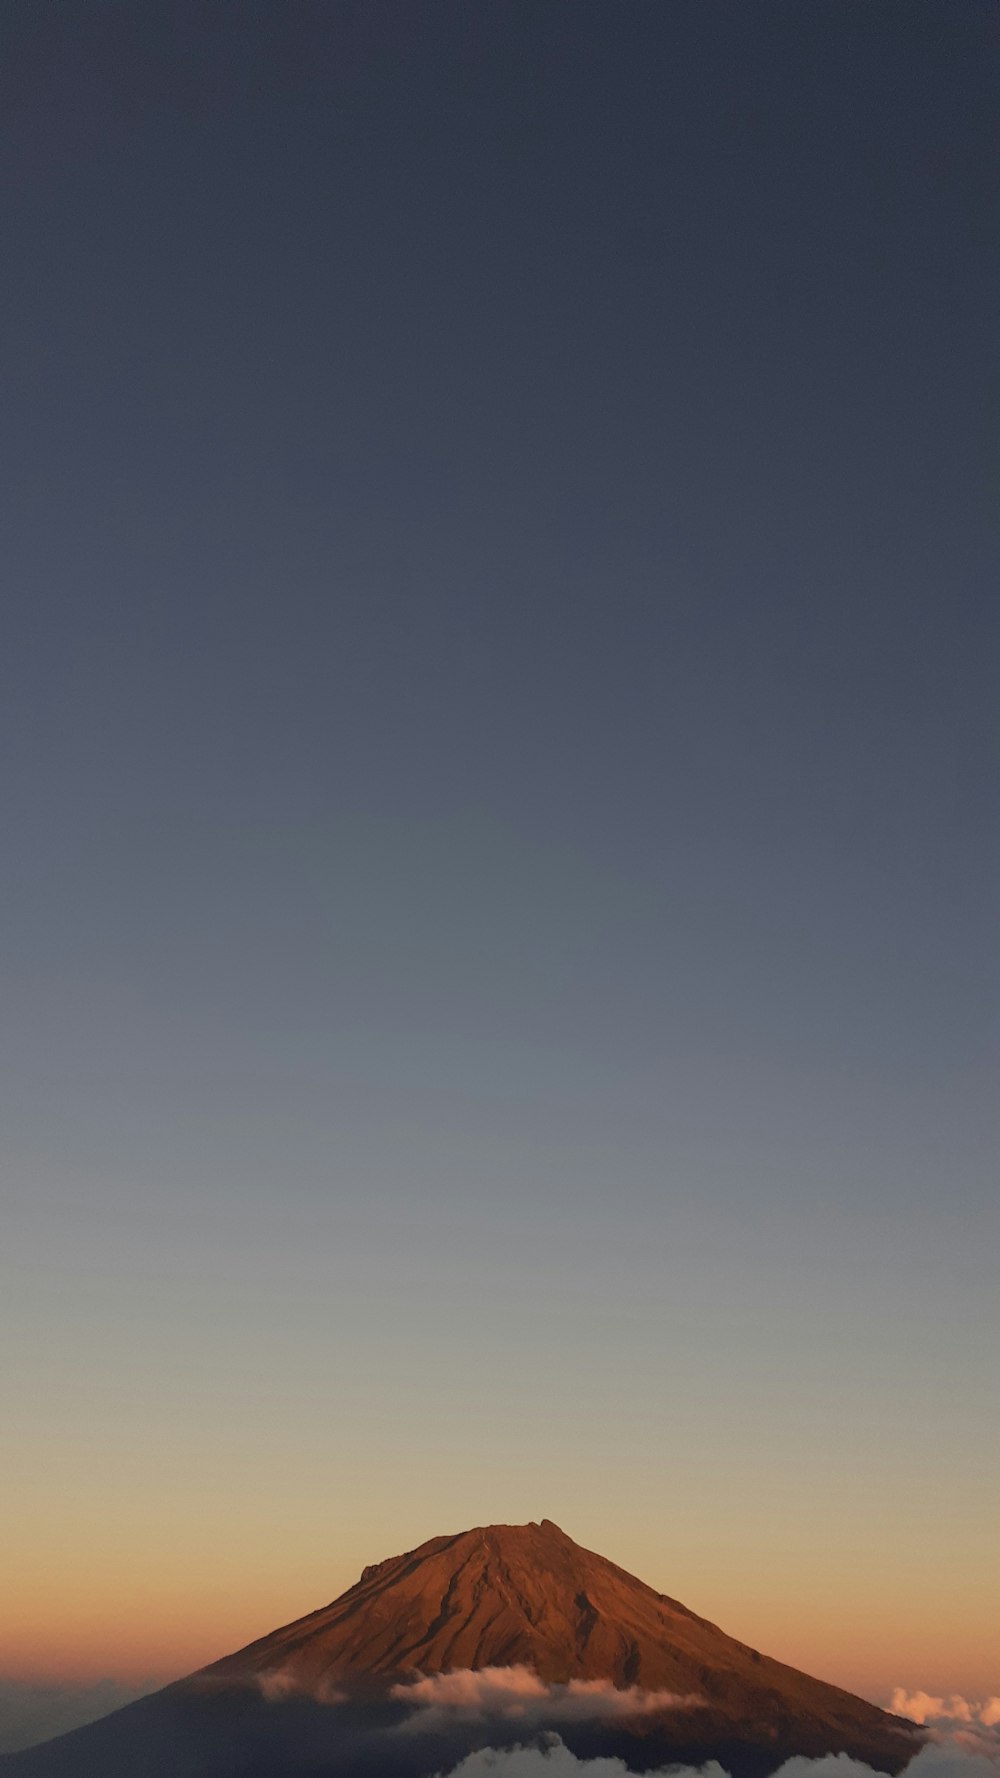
(141, 1624)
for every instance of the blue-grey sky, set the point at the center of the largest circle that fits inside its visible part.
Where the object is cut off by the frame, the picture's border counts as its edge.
(499, 931)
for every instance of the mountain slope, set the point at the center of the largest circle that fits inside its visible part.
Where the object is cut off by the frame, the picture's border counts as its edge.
(503, 1595)
(318, 1694)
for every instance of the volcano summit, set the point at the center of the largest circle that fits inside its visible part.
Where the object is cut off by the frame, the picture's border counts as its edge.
(482, 1638)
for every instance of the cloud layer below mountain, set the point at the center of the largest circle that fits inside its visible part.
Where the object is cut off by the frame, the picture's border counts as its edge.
(552, 1759)
(522, 1717)
(517, 1693)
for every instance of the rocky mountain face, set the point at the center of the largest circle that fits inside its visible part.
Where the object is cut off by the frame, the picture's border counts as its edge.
(619, 1668)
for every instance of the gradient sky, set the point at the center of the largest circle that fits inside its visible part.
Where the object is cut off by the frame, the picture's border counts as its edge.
(499, 813)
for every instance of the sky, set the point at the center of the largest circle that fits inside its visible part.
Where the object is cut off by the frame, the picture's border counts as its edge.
(499, 814)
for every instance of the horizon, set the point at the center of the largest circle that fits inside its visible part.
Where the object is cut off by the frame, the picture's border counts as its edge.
(36, 1707)
(147, 1676)
(500, 929)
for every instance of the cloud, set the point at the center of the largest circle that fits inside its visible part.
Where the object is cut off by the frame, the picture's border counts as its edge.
(553, 1759)
(923, 1708)
(485, 1691)
(276, 1687)
(954, 1721)
(952, 1757)
(938, 1759)
(598, 1697)
(517, 1694)
(30, 1713)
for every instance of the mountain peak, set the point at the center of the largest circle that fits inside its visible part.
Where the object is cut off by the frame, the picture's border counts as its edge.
(619, 1668)
(515, 1542)
(528, 1596)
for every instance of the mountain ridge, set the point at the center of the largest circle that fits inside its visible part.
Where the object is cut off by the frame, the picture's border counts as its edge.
(505, 1595)
(621, 1669)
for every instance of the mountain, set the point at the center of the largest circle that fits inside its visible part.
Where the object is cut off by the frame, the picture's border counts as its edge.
(322, 1694)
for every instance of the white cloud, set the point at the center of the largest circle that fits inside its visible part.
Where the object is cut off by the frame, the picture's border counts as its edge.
(973, 1725)
(922, 1707)
(938, 1759)
(553, 1759)
(598, 1697)
(953, 1757)
(276, 1687)
(483, 1692)
(517, 1694)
